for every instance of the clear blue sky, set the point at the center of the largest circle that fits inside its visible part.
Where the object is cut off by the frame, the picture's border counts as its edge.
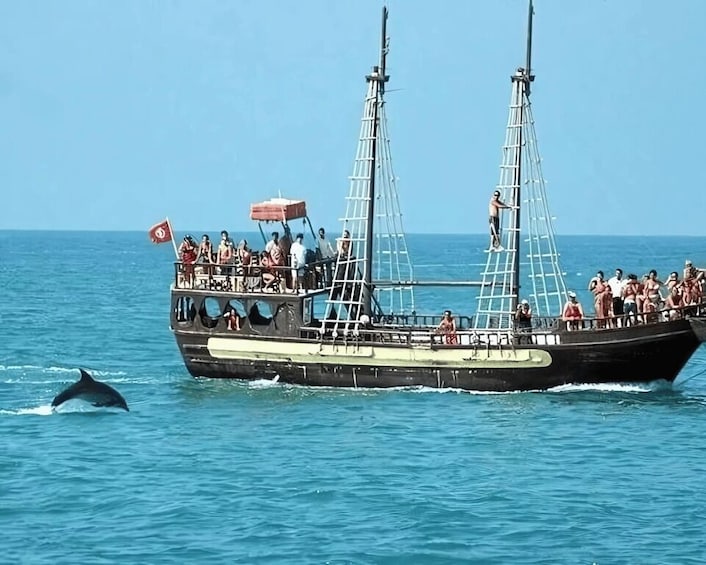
(116, 114)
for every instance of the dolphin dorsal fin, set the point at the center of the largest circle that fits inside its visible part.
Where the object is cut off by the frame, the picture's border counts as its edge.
(85, 377)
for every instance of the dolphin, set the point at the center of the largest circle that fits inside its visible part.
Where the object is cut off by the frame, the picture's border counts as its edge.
(93, 391)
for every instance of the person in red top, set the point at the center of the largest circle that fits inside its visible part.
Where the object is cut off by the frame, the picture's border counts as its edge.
(187, 252)
(572, 313)
(232, 320)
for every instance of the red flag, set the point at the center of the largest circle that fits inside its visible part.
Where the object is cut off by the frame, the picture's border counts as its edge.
(161, 232)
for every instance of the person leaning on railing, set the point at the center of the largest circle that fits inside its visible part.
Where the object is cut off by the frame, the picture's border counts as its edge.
(447, 328)
(572, 313)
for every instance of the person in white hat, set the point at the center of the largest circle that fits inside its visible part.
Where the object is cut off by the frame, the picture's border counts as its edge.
(691, 272)
(572, 313)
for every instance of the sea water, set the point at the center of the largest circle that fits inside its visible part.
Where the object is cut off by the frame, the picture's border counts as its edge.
(207, 471)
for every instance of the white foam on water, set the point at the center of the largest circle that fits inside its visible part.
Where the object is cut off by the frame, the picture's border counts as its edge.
(265, 383)
(44, 410)
(23, 368)
(425, 389)
(607, 387)
(567, 388)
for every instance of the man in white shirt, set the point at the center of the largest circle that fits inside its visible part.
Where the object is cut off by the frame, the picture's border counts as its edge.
(298, 256)
(616, 284)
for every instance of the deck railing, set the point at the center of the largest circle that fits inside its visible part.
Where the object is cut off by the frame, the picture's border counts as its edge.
(411, 329)
(249, 278)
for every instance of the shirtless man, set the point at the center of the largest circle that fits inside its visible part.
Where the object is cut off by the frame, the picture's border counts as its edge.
(673, 303)
(630, 292)
(494, 208)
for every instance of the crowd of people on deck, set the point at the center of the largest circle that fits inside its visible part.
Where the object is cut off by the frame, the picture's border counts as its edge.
(623, 301)
(285, 264)
(618, 302)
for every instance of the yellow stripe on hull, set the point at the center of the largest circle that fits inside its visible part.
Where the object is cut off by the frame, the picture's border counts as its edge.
(375, 356)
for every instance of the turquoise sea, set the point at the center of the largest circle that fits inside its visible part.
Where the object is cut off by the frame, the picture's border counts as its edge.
(203, 471)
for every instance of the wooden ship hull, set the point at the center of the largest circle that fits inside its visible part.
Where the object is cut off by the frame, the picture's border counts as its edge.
(294, 351)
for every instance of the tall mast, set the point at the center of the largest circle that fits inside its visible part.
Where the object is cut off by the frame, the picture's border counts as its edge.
(522, 186)
(525, 77)
(528, 63)
(373, 236)
(378, 75)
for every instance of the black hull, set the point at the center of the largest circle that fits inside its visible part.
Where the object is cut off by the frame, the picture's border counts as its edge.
(639, 355)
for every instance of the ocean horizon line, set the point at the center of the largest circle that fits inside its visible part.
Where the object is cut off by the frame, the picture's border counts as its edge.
(198, 232)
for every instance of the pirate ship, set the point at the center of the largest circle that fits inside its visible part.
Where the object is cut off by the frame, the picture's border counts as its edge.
(354, 322)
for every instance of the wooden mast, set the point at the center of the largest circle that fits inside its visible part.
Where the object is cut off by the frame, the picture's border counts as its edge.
(378, 75)
(524, 77)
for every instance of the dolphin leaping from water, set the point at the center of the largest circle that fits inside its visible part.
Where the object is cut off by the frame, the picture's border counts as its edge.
(93, 391)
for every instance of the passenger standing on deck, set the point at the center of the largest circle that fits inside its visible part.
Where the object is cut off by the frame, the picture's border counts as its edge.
(326, 253)
(223, 255)
(187, 253)
(601, 298)
(616, 285)
(205, 254)
(523, 321)
(205, 250)
(653, 292)
(324, 246)
(494, 208)
(631, 291)
(274, 241)
(298, 261)
(274, 249)
(244, 253)
(343, 244)
(691, 272)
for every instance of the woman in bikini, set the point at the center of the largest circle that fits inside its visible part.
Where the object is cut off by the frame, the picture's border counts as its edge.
(653, 289)
(447, 327)
(205, 253)
(602, 298)
(653, 296)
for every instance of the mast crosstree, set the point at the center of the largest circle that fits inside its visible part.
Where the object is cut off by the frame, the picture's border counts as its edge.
(528, 266)
(372, 245)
